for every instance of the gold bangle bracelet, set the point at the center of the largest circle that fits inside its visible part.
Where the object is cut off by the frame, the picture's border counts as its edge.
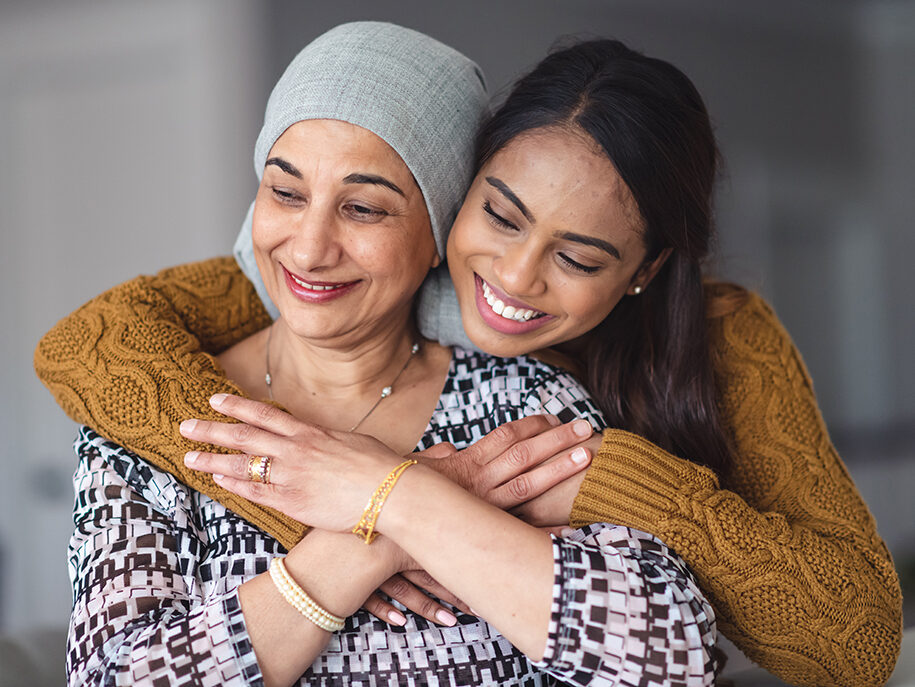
(299, 599)
(365, 528)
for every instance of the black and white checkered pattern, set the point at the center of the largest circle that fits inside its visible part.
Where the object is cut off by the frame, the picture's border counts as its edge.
(155, 568)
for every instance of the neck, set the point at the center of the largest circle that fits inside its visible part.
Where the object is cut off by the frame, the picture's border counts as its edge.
(333, 369)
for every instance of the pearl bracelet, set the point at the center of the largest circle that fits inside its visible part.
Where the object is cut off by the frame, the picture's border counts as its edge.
(299, 600)
(365, 528)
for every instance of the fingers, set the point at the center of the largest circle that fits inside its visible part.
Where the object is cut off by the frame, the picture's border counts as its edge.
(252, 491)
(384, 611)
(442, 450)
(424, 580)
(519, 457)
(504, 437)
(541, 479)
(233, 465)
(256, 413)
(400, 589)
(238, 436)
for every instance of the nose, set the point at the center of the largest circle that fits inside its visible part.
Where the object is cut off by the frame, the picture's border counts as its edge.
(519, 270)
(315, 241)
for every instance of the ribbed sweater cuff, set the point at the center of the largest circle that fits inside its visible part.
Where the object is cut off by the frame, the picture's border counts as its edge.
(635, 483)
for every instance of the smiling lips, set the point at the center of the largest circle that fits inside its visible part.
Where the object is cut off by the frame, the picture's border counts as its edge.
(504, 314)
(316, 292)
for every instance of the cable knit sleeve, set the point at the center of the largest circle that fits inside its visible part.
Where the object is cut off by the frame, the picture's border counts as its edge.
(785, 547)
(136, 361)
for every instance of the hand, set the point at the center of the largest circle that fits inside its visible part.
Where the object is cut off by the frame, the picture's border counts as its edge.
(517, 461)
(407, 588)
(554, 506)
(317, 476)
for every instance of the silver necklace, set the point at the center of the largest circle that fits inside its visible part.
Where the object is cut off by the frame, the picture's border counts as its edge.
(385, 392)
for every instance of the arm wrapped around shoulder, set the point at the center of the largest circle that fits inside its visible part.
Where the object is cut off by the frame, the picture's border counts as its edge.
(785, 548)
(143, 348)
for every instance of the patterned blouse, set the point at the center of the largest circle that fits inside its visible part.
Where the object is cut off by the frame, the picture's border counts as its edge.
(156, 566)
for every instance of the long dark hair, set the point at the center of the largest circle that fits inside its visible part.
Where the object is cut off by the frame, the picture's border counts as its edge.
(648, 364)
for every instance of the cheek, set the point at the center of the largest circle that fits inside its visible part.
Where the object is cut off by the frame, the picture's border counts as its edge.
(466, 241)
(587, 306)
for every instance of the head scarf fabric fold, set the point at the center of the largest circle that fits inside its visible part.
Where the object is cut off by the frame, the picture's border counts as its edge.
(423, 98)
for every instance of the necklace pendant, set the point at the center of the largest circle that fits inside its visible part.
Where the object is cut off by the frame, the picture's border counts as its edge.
(386, 392)
(268, 380)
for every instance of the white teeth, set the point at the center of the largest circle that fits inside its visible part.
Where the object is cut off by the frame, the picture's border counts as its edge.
(314, 287)
(509, 312)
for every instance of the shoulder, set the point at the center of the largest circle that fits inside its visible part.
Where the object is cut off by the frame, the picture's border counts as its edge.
(743, 326)
(532, 386)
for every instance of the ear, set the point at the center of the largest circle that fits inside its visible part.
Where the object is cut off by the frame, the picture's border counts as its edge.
(643, 276)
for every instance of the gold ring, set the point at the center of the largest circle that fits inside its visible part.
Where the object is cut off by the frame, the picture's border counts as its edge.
(259, 469)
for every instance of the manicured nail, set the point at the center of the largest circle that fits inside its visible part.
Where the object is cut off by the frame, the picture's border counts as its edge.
(566, 532)
(473, 612)
(218, 477)
(217, 399)
(582, 428)
(397, 618)
(187, 426)
(445, 618)
(191, 457)
(553, 420)
(579, 456)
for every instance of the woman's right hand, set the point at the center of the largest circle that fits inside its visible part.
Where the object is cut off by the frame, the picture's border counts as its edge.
(515, 462)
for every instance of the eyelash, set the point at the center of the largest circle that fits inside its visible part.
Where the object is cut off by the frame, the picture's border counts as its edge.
(496, 218)
(359, 210)
(578, 266)
(567, 261)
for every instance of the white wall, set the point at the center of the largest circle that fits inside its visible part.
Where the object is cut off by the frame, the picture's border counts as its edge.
(126, 132)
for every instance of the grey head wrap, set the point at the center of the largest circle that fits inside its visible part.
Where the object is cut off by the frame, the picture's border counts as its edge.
(423, 98)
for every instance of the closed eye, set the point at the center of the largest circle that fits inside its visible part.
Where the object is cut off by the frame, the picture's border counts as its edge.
(284, 195)
(497, 218)
(365, 213)
(569, 262)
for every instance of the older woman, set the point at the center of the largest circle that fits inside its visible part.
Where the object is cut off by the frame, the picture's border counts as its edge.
(169, 586)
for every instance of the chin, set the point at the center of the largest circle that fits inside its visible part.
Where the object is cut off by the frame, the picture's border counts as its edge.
(500, 345)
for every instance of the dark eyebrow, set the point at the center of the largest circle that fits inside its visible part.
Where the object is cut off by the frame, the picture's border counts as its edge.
(501, 186)
(372, 179)
(591, 241)
(287, 167)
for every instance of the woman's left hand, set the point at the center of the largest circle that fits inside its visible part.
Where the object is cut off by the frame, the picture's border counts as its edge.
(317, 476)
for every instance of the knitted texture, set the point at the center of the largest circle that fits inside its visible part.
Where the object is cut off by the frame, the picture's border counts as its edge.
(785, 547)
(126, 364)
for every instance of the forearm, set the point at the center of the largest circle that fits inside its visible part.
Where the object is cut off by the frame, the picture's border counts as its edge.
(337, 571)
(843, 626)
(498, 565)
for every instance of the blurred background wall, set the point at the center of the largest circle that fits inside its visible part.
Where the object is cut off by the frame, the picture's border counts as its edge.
(126, 132)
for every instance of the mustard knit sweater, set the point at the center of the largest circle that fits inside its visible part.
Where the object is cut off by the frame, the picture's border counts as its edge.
(784, 546)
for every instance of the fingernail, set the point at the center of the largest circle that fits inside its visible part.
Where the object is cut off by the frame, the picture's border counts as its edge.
(579, 456)
(566, 532)
(397, 618)
(187, 426)
(473, 612)
(218, 477)
(582, 428)
(191, 457)
(553, 420)
(445, 618)
(217, 399)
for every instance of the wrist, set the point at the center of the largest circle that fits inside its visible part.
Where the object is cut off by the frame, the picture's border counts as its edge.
(322, 559)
